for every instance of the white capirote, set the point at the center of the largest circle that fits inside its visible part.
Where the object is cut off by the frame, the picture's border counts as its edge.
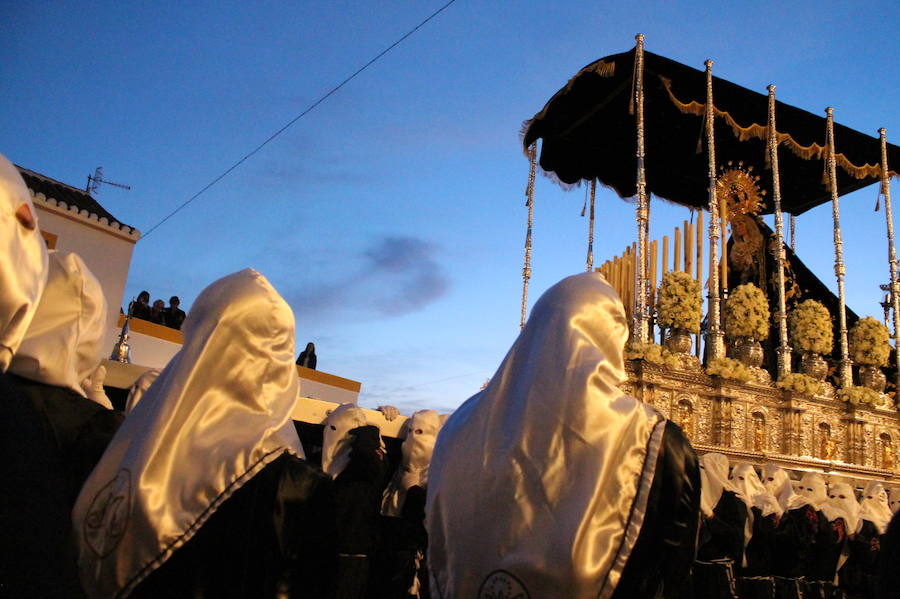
(538, 484)
(421, 434)
(219, 412)
(23, 269)
(64, 342)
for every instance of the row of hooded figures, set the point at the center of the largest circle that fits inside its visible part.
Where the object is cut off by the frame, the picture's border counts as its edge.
(549, 482)
(769, 535)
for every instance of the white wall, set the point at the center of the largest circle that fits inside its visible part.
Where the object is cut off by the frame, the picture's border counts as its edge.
(106, 250)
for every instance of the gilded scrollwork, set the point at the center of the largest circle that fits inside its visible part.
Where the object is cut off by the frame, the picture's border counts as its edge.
(742, 420)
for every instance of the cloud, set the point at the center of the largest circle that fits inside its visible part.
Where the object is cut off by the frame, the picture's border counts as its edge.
(399, 275)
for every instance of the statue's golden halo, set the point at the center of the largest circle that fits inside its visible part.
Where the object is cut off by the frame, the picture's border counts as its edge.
(739, 187)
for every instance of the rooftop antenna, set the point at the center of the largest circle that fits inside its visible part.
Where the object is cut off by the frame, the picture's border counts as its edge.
(94, 181)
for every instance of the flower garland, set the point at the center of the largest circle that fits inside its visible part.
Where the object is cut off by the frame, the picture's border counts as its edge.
(728, 368)
(811, 328)
(680, 305)
(655, 354)
(747, 313)
(799, 383)
(861, 395)
(869, 342)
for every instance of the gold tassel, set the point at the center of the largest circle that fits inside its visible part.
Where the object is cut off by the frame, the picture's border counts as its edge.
(757, 131)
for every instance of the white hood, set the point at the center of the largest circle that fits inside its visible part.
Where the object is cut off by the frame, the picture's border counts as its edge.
(23, 269)
(842, 504)
(750, 489)
(874, 506)
(63, 344)
(139, 387)
(713, 481)
(421, 434)
(337, 441)
(812, 486)
(894, 499)
(218, 413)
(778, 483)
(538, 484)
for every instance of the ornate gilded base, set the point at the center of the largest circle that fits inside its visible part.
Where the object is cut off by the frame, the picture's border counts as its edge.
(757, 423)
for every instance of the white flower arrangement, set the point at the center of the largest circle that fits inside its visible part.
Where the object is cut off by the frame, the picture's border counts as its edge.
(799, 383)
(680, 305)
(747, 313)
(655, 354)
(728, 368)
(811, 328)
(870, 342)
(861, 395)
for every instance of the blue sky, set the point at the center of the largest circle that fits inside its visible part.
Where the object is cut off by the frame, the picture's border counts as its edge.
(392, 217)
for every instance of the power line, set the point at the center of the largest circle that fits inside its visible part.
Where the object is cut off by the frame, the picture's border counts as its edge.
(298, 117)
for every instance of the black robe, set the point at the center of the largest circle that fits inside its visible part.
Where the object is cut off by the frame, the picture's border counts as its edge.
(858, 575)
(662, 555)
(400, 559)
(761, 547)
(827, 551)
(273, 537)
(795, 541)
(357, 505)
(722, 536)
(50, 440)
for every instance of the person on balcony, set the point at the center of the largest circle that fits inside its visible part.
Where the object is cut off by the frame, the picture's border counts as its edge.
(158, 312)
(307, 357)
(174, 314)
(551, 482)
(140, 308)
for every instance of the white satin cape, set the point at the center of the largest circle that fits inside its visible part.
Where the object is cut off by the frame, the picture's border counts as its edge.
(63, 344)
(23, 267)
(218, 413)
(539, 483)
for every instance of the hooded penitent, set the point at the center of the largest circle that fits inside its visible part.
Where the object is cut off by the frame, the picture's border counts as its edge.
(713, 481)
(23, 269)
(337, 441)
(842, 504)
(139, 387)
(63, 344)
(539, 483)
(874, 506)
(812, 486)
(894, 499)
(778, 483)
(750, 489)
(217, 415)
(421, 434)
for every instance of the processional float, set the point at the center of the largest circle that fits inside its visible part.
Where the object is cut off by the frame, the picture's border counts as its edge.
(642, 124)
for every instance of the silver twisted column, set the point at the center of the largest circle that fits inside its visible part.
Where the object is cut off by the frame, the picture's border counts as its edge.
(845, 371)
(784, 350)
(639, 332)
(892, 253)
(714, 334)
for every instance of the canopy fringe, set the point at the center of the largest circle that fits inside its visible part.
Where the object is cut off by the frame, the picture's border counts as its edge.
(758, 131)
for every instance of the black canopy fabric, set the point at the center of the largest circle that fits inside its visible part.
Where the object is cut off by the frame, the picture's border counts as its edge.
(588, 131)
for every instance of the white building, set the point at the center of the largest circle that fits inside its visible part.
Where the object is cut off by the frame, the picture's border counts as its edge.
(73, 221)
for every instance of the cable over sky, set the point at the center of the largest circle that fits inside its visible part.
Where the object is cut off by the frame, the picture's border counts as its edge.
(309, 109)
